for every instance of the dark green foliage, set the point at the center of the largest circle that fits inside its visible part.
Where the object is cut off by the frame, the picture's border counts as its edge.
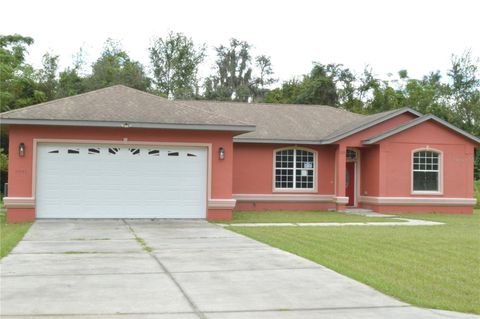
(18, 87)
(234, 77)
(115, 67)
(477, 168)
(175, 62)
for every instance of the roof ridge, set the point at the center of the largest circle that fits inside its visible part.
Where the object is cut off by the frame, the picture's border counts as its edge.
(277, 105)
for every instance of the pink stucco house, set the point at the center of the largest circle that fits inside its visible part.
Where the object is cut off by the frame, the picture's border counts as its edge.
(123, 153)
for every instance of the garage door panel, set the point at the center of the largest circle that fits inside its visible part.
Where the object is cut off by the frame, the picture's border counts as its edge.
(101, 181)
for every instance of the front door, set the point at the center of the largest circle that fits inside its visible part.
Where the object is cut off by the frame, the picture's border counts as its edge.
(350, 183)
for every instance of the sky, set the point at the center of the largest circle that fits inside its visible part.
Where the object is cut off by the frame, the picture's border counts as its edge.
(388, 36)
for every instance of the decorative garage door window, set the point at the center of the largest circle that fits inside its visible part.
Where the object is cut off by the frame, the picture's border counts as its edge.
(94, 150)
(426, 171)
(294, 169)
(113, 150)
(134, 151)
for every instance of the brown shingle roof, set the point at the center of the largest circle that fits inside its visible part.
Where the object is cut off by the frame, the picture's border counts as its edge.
(264, 123)
(301, 123)
(120, 104)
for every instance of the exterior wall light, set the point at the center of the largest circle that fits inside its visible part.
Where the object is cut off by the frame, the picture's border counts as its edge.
(21, 149)
(221, 153)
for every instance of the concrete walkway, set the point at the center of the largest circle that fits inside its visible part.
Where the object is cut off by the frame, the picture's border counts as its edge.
(176, 270)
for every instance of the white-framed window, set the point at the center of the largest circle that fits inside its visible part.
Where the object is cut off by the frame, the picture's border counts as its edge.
(294, 169)
(426, 171)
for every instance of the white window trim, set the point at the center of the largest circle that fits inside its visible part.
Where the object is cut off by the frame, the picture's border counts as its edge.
(440, 172)
(295, 190)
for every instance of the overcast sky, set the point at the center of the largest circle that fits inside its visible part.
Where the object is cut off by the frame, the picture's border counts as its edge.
(417, 35)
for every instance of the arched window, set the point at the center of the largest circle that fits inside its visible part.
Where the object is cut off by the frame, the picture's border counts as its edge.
(426, 171)
(294, 169)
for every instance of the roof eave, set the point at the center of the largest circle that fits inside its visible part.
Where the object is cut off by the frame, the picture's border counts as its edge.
(117, 124)
(276, 141)
(377, 138)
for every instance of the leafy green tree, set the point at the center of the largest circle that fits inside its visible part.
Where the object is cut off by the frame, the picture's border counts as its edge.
(464, 93)
(233, 76)
(47, 76)
(17, 83)
(476, 169)
(3, 170)
(3, 161)
(114, 66)
(265, 77)
(175, 60)
(317, 87)
(70, 81)
(286, 94)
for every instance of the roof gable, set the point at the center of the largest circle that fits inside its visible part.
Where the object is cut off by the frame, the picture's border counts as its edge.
(365, 123)
(415, 122)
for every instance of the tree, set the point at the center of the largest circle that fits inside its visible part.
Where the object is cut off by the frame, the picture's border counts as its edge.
(47, 76)
(265, 77)
(317, 87)
(464, 92)
(320, 86)
(114, 66)
(233, 77)
(287, 94)
(71, 82)
(17, 84)
(175, 62)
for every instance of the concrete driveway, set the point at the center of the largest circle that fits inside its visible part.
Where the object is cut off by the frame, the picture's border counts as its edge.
(176, 270)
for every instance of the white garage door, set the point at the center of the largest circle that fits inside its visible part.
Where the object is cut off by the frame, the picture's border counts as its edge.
(118, 181)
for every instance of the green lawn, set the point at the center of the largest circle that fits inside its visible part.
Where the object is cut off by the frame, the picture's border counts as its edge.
(10, 234)
(429, 266)
(300, 217)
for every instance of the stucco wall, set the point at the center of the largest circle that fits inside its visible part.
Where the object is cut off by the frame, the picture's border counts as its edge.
(20, 168)
(253, 174)
(370, 173)
(253, 168)
(457, 160)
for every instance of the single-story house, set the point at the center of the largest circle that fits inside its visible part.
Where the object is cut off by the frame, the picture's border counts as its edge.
(122, 153)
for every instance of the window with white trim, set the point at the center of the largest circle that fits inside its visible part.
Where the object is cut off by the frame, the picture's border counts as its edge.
(426, 171)
(294, 169)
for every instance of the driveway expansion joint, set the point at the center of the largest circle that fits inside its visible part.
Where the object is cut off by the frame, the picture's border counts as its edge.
(142, 242)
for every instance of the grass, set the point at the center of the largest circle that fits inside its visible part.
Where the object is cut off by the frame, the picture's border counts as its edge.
(299, 217)
(10, 234)
(429, 266)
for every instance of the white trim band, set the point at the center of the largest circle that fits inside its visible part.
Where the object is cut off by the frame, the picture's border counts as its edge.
(405, 201)
(341, 200)
(221, 203)
(283, 198)
(19, 202)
